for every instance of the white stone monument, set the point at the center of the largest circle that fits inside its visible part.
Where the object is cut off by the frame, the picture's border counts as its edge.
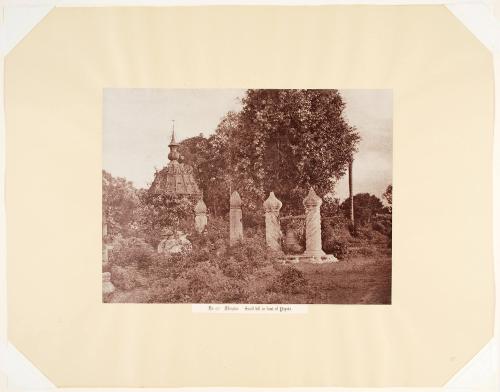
(235, 224)
(200, 220)
(272, 208)
(314, 252)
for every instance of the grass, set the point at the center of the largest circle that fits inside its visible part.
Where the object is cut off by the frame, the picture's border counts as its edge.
(359, 280)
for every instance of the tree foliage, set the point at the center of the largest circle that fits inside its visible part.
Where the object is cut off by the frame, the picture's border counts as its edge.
(158, 212)
(210, 161)
(365, 207)
(388, 197)
(283, 141)
(119, 202)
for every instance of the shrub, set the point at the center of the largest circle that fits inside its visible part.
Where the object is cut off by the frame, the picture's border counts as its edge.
(253, 219)
(377, 226)
(126, 278)
(298, 227)
(335, 237)
(133, 252)
(216, 233)
(244, 258)
(202, 282)
(159, 210)
(267, 297)
(367, 251)
(290, 281)
(354, 230)
(340, 249)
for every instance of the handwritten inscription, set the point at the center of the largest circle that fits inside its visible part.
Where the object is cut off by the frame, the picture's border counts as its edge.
(250, 308)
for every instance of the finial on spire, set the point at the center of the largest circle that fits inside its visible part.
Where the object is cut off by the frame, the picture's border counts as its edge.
(173, 142)
(173, 155)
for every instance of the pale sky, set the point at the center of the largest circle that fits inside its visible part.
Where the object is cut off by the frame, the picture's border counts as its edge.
(137, 128)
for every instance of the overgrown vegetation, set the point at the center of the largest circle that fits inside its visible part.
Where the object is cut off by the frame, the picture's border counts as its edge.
(214, 272)
(283, 141)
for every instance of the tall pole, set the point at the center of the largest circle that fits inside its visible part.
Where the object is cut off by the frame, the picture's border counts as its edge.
(351, 197)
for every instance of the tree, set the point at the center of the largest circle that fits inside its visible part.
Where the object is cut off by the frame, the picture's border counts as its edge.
(365, 207)
(286, 141)
(162, 211)
(211, 161)
(119, 202)
(388, 197)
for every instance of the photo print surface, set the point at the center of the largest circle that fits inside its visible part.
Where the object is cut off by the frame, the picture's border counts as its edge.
(247, 196)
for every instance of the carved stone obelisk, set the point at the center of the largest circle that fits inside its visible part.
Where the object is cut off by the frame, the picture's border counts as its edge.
(235, 224)
(312, 203)
(200, 219)
(272, 208)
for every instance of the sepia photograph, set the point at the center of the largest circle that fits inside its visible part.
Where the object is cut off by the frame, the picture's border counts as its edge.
(256, 196)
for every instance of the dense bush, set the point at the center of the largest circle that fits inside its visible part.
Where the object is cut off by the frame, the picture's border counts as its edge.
(201, 282)
(298, 227)
(158, 211)
(290, 281)
(253, 219)
(339, 248)
(336, 237)
(127, 278)
(366, 206)
(133, 252)
(214, 272)
(243, 259)
(216, 234)
(382, 223)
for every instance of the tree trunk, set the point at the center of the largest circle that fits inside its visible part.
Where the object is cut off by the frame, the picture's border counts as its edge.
(351, 197)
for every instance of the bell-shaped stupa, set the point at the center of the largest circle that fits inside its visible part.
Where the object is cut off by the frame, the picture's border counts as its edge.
(177, 177)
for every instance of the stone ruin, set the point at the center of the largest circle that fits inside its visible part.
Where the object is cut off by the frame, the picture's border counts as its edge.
(177, 178)
(312, 203)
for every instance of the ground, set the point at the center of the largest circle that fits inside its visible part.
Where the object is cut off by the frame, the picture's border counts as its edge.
(359, 279)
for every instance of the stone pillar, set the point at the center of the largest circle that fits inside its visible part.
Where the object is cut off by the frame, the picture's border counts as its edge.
(200, 219)
(272, 208)
(105, 255)
(312, 203)
(235, 225)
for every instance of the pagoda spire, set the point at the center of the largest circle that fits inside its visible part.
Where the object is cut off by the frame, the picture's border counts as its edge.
(172, 141)
(173, 155)
(176, 178)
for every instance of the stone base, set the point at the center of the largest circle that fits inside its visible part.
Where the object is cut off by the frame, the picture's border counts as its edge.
(294, 259)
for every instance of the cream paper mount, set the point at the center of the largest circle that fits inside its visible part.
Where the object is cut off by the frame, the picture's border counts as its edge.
(442, 311)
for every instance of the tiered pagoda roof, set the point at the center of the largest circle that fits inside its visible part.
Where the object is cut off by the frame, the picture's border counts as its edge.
(177, 177)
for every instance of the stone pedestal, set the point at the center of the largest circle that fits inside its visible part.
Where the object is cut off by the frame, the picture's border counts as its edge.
(200, 220)
(272, 208)
(235, 224)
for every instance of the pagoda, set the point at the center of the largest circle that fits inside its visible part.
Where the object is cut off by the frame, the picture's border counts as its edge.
(177, 177)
